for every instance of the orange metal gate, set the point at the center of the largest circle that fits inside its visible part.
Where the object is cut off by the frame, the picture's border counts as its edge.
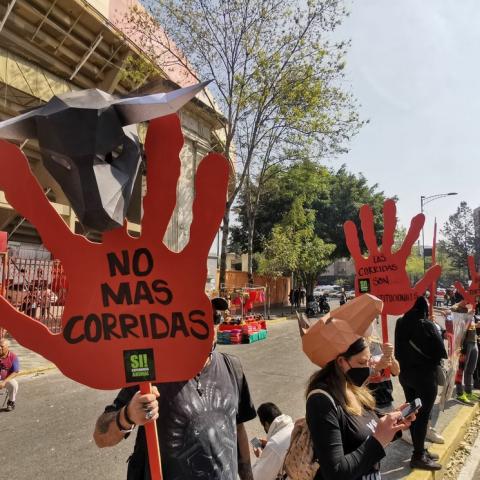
(35, 287)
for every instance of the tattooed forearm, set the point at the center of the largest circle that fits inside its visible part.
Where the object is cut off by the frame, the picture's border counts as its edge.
(245, 470)
(104, 422)
(106, 435)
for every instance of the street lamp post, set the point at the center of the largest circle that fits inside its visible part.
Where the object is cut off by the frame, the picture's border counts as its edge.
(424, 201)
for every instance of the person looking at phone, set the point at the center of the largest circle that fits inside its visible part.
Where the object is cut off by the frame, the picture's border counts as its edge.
(349, 438)
(271, 452)
(419, 349)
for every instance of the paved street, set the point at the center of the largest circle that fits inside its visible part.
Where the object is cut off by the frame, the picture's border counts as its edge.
(49, 435)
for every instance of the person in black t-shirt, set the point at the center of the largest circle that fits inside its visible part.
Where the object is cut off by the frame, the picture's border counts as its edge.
(348, 437)
(200, 424)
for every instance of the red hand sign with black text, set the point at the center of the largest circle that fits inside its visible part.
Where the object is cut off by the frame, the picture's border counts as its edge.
(471, 293)
(383, 272)
(135, 311)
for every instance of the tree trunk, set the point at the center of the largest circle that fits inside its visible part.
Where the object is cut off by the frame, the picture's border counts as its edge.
(223, 253)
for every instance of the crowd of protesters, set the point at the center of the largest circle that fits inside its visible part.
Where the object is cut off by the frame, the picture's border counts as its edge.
(351, 412)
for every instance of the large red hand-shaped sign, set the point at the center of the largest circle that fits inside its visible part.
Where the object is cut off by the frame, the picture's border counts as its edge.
(135, 310)
(473, 291)
(383, 272)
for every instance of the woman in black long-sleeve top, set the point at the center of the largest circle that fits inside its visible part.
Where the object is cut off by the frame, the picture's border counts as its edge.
(348, 437)
(419, 349)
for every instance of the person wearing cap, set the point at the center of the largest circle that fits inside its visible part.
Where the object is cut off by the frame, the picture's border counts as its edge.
(349, 438)
(200, 422)
(419, 349)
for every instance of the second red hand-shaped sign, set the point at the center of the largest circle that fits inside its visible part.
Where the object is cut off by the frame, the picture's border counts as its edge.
(383, 272)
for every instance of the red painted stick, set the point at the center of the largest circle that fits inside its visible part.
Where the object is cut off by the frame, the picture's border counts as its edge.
(385, 337)
(385, 327)
(152, 440)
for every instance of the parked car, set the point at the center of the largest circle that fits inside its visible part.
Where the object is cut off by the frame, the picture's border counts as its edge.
(350, 294)
(321, 290)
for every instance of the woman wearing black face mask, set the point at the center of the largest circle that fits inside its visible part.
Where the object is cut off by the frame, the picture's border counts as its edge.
(419, 349)
(348, 437)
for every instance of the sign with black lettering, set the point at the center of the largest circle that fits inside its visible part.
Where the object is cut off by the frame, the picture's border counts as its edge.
(135, 310)
(383, 272)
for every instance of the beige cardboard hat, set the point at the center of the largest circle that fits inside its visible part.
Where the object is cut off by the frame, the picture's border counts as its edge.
(336, 331)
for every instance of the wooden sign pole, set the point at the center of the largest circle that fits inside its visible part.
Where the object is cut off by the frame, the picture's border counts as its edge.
(154, 458)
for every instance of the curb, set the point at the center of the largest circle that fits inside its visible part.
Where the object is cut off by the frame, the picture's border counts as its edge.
(453, 434)
(276, 320)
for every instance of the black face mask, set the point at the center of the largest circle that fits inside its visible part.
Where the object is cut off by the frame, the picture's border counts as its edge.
(358, 375)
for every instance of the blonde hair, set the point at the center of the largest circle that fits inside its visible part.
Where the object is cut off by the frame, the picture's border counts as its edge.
(337, 384)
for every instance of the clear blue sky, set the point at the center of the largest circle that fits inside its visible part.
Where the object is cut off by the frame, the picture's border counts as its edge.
(414, 66)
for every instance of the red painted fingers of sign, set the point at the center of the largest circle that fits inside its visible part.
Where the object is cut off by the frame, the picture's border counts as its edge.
(383, 272)
(472, 293)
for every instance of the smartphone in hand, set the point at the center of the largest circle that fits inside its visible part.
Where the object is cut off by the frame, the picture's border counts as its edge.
(411, 408)
(256, 443)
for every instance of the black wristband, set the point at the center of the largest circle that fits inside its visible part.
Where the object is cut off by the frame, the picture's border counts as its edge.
(119, 425)
(127, 418)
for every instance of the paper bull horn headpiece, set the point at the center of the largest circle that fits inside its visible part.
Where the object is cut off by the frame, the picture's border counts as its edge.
(335, 332)
(89, 145)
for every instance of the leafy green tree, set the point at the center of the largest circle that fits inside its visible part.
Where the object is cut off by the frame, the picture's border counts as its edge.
(449, 272)
(345, 194)
(277, 79)
(415, 267)
(459, 241)
(305, 179)
(334, 195)
(293, 247)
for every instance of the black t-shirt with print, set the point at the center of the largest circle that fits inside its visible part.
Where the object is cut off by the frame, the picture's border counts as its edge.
(197, 426)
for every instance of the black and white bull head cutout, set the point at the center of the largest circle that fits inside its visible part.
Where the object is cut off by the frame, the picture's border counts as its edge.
(89, 144)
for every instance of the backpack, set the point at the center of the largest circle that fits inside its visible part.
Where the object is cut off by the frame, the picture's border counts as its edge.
(300, 462)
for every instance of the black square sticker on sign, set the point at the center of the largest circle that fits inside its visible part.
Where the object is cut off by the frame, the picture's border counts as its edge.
(139, 365)
(364, 285)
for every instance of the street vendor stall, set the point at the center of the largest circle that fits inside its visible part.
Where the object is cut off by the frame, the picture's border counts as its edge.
(236, 330)
(244, 326)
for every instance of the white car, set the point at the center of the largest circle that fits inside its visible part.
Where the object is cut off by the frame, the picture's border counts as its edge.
(324, 289)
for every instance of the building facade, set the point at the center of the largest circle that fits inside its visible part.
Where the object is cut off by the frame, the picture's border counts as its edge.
(51, 47)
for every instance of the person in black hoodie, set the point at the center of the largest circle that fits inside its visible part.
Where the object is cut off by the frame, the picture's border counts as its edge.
(419, 349)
